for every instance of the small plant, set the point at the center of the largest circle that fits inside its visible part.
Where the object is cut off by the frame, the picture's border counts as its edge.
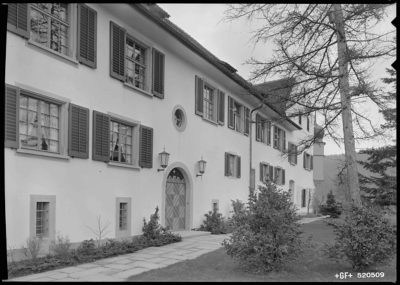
(32, 247)
(87, 247)
(155, 234)
(214, 223)
(331, 207)
(365, 238)
(152, 229)
(60, 246)
(266, 234)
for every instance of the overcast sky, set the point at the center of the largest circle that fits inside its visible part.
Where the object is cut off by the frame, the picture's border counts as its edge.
(231, 42)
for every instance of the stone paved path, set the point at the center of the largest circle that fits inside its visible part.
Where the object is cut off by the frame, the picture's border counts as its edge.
(121, 267)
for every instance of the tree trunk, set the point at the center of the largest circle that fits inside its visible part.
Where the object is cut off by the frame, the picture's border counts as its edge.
(352, 193)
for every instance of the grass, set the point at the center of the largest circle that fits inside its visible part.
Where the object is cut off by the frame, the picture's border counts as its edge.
(311, 267)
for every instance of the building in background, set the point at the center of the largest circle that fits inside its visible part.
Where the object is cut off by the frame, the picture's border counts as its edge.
(112, 110)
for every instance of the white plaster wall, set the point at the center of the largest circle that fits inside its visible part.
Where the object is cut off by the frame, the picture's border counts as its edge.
(85, 188)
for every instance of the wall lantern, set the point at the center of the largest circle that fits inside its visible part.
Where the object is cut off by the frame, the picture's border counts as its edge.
(202, 167)
(163, 156)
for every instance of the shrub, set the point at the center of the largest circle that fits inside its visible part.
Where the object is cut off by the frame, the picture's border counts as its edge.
(87, 247)
(32, 247)
(60, 246)
(155, 234)
(213, 223)
(365, 238)
(331, 207)
(266, 234)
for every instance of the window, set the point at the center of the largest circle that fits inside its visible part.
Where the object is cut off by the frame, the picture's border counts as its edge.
(266, 172)
(232, 165)
(121, 142)
(263, 130)
(42, 216)
(50, 26)
(135, 61)
(40, 123)
(307, 161)
(42, 219)
(123, 217)
(292, 156)
(303, 198)
(209, 103)
(279, 139)
(238, 117)
(179, 118)
(39, 126)
(279, 176)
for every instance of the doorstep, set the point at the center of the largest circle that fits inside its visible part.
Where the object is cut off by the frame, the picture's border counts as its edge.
(190, 234)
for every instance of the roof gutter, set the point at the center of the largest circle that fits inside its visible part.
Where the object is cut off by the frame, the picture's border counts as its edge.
(214, 61)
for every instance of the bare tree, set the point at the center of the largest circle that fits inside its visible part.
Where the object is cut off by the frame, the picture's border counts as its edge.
(325, 50)
(101, 231)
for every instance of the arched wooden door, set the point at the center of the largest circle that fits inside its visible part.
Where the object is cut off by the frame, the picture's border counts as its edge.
(175, 200)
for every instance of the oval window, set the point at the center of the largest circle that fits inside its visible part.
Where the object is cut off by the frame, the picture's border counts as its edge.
(179, 118)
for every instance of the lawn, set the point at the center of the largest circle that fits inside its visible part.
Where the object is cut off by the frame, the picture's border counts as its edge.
(311, 267)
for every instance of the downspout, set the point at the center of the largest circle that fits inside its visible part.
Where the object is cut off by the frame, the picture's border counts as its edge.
(251, 140)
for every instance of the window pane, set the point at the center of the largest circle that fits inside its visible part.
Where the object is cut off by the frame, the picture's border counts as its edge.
(39, 27)
(54, 110)
(32, 104)
(53, 146)
(23, 102)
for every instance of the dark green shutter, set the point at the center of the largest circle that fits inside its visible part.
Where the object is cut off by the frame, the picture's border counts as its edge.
(238, 166)
(304, 160)
(284, 141)
(146, 147)
(311, 162)
(78, 131)
(231, 123)
(221, 107)
(199, 88)
(11, 117)
(246, 120)
(258, 128)
(295, 154)
(101, 136)
(17, 20)
(283, 176)
(87, 36)
(290, 152)
(226, 164)
(117, 50)
(158, 73)
(268, 132)
(275, 137)
(261, 172)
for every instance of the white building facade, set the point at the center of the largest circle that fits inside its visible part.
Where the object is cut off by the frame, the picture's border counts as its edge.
(94, 92)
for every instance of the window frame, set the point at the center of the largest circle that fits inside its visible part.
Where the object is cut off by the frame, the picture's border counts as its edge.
(264, 129)
(63, 104)
(281, 138)
(215, 202)
(292, 154)
(279, 175)
(123, 233)
(135, 125)
(214, 102)
(233, 173)
(51, 199)
(72, 33)
(147, 62)
(303, 198)
(265, 170)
